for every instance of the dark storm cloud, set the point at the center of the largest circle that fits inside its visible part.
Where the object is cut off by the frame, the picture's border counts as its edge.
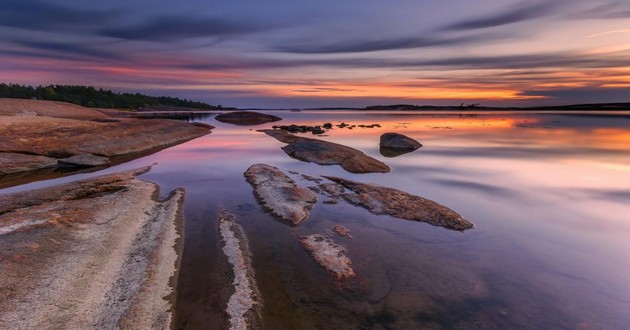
(59, 50)
(519, 13)
(167, 28)
(39, 15)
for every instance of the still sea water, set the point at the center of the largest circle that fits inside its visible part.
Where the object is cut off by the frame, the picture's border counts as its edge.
(549, 194)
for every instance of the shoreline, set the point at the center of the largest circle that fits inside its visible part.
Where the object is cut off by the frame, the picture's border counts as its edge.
(88, 264)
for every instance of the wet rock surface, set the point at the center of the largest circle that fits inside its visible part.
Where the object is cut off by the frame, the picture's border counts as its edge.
(61, 130)
(329, 255)
(279, 193)
(246, 118)
(85, 160)
(327, 153)
(245, 305)
(399, 204)
(15, 163)
(395, 144)
(97, 253)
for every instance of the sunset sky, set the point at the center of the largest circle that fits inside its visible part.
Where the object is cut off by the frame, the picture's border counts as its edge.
(322, 53)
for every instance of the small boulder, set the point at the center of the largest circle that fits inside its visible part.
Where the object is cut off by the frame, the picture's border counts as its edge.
(394, 144)
(399, 141)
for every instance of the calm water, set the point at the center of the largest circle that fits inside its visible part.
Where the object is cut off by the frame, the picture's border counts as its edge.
(548, 194)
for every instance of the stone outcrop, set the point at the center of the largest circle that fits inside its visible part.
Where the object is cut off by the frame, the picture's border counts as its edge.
(395, 144)
(245, 305)
(327, 153)
(329, 255)
(279, 193)
(399, 204)
(99, 253)
(59, 130)
(246, 118)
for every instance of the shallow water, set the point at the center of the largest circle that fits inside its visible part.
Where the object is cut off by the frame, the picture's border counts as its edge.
(548, 193)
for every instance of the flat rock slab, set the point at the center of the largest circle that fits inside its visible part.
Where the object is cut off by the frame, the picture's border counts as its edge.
(28, 108)
(279, 193)
(399, 204)
(327, 153)
(85, 160)
(246, 118)
(329, 255)
(15, 163)
(94, 254)
(245, 305)
(395, 144)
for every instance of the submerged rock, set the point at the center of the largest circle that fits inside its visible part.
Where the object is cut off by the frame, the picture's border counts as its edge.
(246, 118)
(399, 204)
(327, 153)
(394, 144)
(278, 193)
(245, 304)
(342, 230)
(84, 160)
(329, 255)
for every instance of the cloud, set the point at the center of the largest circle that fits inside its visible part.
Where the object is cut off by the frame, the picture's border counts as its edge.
(38, 15)
(59, 50)
(584, 95)
(519, 13)
(613, 10)
(171, 28)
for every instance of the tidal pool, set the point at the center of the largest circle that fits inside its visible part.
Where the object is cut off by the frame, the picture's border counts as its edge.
(549, 194)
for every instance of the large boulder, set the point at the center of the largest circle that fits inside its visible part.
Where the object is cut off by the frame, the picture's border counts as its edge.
(246, 118)
(327, 153)
(278, 193)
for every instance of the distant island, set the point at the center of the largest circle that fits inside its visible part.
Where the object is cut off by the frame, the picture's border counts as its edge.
(592, 106)
(88, 96)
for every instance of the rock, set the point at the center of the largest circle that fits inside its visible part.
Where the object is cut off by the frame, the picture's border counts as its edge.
(62, 138)
(246, 118)
(399, 204)
(329, 255)
(15, 163)
(327, 153)
(342, 231)
(100, 253)
(278, 193)
(84, 160)
(245, 305)
(317, 131)
(328, 125)
(398, 142)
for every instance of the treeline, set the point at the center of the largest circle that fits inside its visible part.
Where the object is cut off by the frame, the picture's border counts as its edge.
(91, 97)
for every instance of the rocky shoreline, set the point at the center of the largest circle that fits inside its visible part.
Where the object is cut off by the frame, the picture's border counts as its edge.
(96, 253)
(47, 135)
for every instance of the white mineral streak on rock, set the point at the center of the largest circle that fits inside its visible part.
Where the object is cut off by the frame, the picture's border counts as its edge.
(245, 301)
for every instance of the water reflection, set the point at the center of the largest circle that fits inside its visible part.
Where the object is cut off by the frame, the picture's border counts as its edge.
(547, 193)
